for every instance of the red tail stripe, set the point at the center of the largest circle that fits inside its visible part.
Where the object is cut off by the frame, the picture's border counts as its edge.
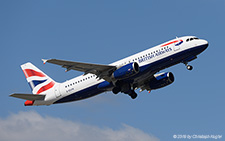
(28, 103)
(46, 87)
(30, 72)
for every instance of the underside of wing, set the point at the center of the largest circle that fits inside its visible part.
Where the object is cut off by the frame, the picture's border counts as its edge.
(102, 71)
(28, 96)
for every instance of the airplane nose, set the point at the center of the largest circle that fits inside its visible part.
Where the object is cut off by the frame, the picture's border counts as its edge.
(206, 44)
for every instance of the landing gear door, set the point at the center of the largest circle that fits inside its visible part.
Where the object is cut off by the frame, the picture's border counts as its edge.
(57, 92)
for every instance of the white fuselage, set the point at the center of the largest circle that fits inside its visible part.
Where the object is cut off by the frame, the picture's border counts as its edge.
(175, 49)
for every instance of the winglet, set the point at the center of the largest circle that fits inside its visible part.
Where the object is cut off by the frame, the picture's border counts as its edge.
(44, 60)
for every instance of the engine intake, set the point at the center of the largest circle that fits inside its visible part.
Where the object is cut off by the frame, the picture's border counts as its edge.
(161, 80)
(126, 71)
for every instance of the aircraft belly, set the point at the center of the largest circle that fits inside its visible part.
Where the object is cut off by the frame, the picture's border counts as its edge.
(145, 73)
(82, 94)
(149, 69)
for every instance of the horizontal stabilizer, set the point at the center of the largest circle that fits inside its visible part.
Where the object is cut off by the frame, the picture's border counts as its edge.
(28, 96)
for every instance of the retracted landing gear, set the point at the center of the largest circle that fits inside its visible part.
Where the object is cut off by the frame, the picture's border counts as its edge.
(133, 94)
(116, 90)
(124, 88)
(189, 67)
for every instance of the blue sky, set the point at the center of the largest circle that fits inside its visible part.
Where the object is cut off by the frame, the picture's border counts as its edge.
(103, 32)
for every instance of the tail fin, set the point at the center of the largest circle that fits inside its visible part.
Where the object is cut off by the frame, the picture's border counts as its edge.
(39, 82)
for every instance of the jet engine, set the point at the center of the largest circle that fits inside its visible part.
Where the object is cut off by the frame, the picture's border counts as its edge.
(126, 71)
(161, 80)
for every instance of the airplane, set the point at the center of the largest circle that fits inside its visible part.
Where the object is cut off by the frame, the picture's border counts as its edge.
(139, 71)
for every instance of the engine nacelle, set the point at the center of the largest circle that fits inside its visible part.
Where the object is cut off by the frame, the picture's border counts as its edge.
(126, 71)
(161, 80)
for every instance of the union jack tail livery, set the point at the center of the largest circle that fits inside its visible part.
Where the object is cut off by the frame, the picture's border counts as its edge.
(39, 82)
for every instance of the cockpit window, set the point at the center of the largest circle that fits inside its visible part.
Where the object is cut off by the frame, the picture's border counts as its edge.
(190, 39)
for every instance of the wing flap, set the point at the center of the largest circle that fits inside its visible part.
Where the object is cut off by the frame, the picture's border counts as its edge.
(102, 71)
(28, 96)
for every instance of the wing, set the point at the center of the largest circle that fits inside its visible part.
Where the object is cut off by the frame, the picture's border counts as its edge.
(28, 96)
(102, 71)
